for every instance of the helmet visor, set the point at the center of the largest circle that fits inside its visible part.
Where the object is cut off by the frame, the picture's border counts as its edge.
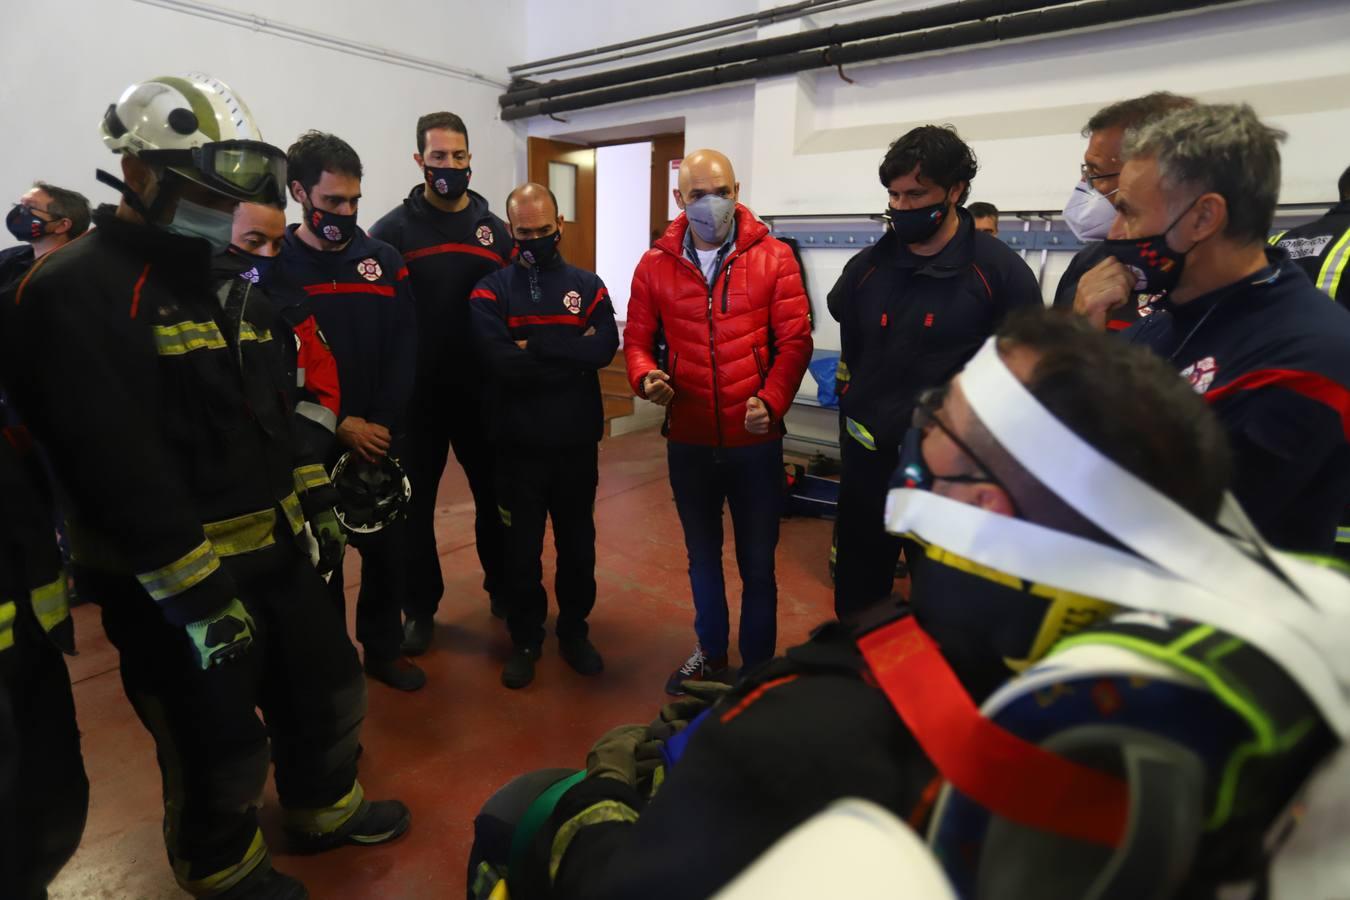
(248, 171)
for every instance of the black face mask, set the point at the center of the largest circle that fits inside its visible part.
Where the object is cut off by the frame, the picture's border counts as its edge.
(333, 227)
(25, 225)
(449, 183)
(914, 226)
(1156, 267)
(251, 267)
(540, 251)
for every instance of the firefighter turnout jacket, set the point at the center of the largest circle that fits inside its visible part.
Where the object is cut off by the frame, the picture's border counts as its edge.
(360, 297)
(1271, 356)
(172, 443)
(546, 394)
(447, 254)
(1322, 250)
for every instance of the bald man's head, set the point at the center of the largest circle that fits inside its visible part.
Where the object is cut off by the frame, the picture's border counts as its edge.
(532, 210)
(705, 172)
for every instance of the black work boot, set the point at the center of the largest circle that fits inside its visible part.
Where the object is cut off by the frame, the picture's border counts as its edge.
(376, 822)
(398, 673)
(582, 656)
(266, 883)
(417, 633)
(519, 669)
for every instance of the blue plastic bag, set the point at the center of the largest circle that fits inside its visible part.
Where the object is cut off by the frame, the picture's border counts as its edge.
(822, 369)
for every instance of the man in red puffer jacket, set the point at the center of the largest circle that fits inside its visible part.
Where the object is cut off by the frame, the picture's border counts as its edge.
(726, 300)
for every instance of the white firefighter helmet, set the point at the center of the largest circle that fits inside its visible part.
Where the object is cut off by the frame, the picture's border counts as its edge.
(197, 127)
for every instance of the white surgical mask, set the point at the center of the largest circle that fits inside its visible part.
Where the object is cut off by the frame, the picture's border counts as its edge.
(1089, 213)
(710, 216)
(211, 225)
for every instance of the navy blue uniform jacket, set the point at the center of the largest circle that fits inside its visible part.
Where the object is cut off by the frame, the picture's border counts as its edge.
(1271, 355)
(361, 298)
(548, 394)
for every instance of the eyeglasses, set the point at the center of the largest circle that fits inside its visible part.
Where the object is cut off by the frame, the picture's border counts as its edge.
(926, 415)
(1089, 173)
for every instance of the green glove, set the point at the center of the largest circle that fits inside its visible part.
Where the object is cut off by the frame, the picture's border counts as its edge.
(332, 540)
(224, 637)
(613, 756)
(698, 696)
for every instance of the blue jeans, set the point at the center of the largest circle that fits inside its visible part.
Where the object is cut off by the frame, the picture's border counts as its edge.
(750, 481)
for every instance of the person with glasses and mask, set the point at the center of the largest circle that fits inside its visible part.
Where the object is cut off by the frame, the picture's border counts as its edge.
(44, 218)
(1089, 210)
(358, 291)
(1238, 319)
(719, 333)
(911, 310)
(544, 329)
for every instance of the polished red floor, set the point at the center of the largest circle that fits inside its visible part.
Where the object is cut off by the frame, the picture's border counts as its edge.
(445, 749)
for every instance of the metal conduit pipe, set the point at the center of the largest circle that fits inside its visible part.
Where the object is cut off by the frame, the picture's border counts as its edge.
(1020, 25)
(912, 20)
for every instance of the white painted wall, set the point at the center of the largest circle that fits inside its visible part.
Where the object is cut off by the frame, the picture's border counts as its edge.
(623, 203)
(61, 64)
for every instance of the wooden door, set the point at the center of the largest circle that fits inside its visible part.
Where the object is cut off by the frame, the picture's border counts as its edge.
(666, 148)
(569, 171)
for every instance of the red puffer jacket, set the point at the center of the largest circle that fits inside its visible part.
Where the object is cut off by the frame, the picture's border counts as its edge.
(746, 335)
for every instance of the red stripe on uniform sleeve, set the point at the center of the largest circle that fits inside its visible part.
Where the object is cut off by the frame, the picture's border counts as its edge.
(328, 287)
(451, 248)
(1319, 388)
(484, 294)
(402, 274)
(599, 295)
(513, 321)
(1116, 325)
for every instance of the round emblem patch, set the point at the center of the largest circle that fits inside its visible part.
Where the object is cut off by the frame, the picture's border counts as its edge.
(484, 235)
(369, 269)
(251, 276)
(332, 232)
(441, 187)
(1201, 374)
(572, 300)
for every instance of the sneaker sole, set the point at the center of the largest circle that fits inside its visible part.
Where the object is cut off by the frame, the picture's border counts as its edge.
(366, 840)
(308, 845)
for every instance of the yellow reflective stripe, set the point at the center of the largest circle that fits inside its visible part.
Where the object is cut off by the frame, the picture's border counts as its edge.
(50, 603)
(860, 434)
(295, 516)
(1343, 534)
(246, 333)
(500, 892)
(327, 819)
(242, 534)
(219, 882)
(307, 478)
(184, 337)
(1275, 238)
(181, 574)
(505, 515)
(841, 371)
(7, 613)
(604, 811)
(1329, 279)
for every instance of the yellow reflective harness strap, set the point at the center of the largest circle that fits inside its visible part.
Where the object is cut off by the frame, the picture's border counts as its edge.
(51, 604)
(604, 811)
(1329, 279)
(247, 333)
(184, 337)
(327, 819)
(860, 434)
(242, 534)
(295, 516)
(309, 477)
(183, 573)
(7, 613)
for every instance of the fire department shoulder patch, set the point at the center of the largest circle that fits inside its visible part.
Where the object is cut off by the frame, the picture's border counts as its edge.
(369, 269)
(572, 300)
(484, 235)
(1201, 374)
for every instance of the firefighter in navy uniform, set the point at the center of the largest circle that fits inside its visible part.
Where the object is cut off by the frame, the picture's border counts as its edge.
(1322, 248)
(1240, 321)
(173, 446)
(449, 240)
(911, 310)
(1148, 756)
(44, 794)
(357, 290)
(544, 330)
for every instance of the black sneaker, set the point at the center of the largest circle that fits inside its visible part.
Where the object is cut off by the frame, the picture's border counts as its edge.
(266, 883)
(582, 656)
(519, 669)
(376, 822)
(697, 667)
(398, 673)
(417, 636)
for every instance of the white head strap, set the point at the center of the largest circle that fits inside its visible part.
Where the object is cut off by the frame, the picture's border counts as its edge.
(1295, 612)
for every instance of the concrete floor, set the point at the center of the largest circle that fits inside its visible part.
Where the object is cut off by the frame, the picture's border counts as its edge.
(444, 750)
